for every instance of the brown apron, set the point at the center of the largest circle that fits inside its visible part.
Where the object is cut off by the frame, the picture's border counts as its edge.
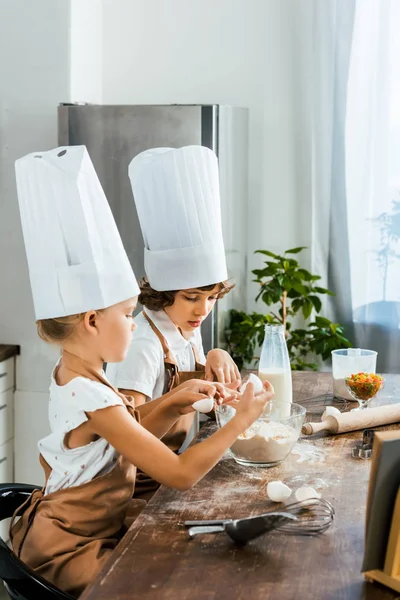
(67, 536)
(146, 486)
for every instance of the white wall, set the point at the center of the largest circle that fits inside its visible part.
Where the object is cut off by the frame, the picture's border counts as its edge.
(34, 78)
(86, 51)
(237, 52)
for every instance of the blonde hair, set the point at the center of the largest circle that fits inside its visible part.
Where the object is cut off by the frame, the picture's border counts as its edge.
(59, 329)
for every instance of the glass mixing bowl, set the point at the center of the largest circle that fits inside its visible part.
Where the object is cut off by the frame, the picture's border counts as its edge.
(270, 439)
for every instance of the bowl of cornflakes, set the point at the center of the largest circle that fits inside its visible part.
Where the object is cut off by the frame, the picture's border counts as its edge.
(363, 387)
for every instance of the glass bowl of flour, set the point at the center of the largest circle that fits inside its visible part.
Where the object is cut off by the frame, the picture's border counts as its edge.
(270, 439)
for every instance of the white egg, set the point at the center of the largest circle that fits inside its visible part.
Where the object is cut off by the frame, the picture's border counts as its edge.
(204, 406)
(256, 381)
(306, 493)
(330, 411)
(278, 491)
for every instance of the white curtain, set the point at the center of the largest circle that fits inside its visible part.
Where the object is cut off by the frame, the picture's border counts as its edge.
(356, 168)
(332, 42)
(373, 178)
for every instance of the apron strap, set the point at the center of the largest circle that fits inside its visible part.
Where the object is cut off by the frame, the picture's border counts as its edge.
(199, 365)
(163, 341)
(167, 352)
(171, 367)
(83, 369)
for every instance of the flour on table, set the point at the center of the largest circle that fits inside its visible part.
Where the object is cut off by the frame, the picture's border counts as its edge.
(308, 453)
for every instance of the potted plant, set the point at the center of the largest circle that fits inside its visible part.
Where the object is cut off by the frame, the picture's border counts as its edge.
(287, 290)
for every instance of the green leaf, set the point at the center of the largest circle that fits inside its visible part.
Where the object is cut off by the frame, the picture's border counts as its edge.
(316, 302)
(261, 273)
(271, 319)
(286, 284)
(343, 341)
(322, 322)
(306, 275)
(321, 290)
(307, 309)
(260, 293)
(266, 297)
(276, 289)
(267, 253)
(297, 275)
(299, 287)
(297, 304)
(293, 262)
(295, 250)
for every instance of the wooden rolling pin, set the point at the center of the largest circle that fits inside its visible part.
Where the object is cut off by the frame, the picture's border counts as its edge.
(350, 421)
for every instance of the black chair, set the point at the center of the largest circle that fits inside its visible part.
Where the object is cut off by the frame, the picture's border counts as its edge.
(20, 581)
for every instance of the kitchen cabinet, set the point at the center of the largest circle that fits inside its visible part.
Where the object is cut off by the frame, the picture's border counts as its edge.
(7, 387)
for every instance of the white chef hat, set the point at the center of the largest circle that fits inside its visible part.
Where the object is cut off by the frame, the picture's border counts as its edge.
(177, 197)
(75, 255)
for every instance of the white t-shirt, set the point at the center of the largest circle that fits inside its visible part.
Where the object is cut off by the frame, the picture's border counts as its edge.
(67, 407)
(143, 368)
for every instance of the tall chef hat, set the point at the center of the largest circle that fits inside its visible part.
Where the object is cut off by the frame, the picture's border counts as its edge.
(75, 255)
(176, 192)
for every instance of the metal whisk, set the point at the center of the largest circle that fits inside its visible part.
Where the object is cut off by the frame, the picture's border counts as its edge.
(307, 517)
(313, 516)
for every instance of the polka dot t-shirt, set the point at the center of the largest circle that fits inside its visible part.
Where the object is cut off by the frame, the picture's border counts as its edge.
(67, 410)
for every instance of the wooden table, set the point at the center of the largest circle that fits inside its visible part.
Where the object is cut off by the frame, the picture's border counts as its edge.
(157, 561)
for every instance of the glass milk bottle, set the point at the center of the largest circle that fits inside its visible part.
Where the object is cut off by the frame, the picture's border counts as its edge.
(275, 364)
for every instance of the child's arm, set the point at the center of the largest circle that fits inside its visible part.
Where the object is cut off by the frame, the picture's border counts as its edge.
(153, 457)
(140, 399)
(145, 408)
(179, 402)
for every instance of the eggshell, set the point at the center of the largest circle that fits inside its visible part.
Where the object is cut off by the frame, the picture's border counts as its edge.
(204, 406)
(306, 493)
(278, 491)
(256, 381)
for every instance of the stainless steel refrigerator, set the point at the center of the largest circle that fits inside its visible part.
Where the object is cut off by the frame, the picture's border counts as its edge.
(113, 135)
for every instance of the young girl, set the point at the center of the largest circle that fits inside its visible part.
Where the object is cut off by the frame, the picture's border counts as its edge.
(84, 294)
(177, 197)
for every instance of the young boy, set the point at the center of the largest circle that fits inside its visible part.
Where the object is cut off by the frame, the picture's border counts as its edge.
(176, 192)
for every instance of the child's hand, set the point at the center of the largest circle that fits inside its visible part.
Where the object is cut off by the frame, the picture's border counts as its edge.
(189, 392)
(220, 366)
(251, 406)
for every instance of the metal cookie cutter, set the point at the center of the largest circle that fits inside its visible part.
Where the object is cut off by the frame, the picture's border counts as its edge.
(363, 449)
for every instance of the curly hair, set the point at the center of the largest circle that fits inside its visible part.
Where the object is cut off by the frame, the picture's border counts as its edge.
(156, 301)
